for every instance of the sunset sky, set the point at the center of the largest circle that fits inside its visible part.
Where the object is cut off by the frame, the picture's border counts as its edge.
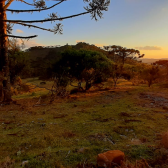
(140, 24)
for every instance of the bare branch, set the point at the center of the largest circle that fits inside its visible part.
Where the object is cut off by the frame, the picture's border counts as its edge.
(35, 10)
(26, 3)
(57, 28)
(45, 20)
(28, 37)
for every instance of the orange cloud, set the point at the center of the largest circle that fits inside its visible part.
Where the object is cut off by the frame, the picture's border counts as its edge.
(149, 48)
(19, 31)
(100, 45)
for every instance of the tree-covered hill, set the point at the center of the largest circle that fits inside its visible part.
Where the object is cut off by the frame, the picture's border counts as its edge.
(53, 52)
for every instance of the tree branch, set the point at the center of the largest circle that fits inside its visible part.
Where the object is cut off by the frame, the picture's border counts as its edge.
(29, 25)
(8, 4)
(27, 3)
(56, 30)
(45, 20)
(20, 36)
(35, 10)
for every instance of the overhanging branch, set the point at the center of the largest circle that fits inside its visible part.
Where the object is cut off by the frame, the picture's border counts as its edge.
(27, 37)
(27, 3)
(34, 10)
(45, 20)
(51, 30)
(29, 25)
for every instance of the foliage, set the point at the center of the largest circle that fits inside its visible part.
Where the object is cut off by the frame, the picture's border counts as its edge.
(150, 74)
(19, 64)
(82, 65)
(163, 65)
(116, 72)
(121, 53)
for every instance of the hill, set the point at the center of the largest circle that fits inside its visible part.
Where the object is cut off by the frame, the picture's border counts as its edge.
(151, 60)
(53, 52)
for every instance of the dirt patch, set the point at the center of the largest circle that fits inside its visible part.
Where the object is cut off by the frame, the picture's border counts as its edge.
(154, 100)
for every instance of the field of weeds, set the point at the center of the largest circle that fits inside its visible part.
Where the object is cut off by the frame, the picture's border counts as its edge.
(75, 129)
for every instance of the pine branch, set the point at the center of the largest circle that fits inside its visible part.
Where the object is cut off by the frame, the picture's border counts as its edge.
(27, 3)
(29, 25)
(45, 20)
(28, 37)
(35, 10)
(58, 28)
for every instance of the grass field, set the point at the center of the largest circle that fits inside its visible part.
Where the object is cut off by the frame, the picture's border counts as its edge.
(75, 129)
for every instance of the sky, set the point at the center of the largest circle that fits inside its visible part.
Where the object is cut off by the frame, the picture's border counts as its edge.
(139, 24)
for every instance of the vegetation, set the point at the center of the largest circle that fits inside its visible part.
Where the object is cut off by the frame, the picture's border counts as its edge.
(72, 102)
(46, 126)
(95, 8)
(82, 65)
(79, 127)
(119, 53)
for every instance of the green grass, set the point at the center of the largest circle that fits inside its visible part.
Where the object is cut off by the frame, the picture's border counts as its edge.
(52, 135)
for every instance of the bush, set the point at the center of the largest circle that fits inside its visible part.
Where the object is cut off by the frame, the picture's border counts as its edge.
(75, 90)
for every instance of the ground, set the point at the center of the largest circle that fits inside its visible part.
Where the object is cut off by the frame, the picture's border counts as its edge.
(77, 128)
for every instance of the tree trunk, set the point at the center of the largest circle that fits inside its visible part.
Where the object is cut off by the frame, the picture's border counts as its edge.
(88, 85)
(4, 62)
(149, 83)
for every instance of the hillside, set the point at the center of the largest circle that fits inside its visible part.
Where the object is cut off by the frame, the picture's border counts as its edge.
(53, 52)
(49, 53)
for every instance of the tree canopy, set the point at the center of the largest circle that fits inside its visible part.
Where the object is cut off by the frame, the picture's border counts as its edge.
(82, 65)
(123, 52)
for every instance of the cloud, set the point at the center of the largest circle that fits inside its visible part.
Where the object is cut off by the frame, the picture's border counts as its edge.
(100, 45)
(19, 31)
(29, 43)
(149, 48)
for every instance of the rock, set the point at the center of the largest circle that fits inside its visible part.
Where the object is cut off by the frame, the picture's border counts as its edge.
(110, 158)
(164, 140)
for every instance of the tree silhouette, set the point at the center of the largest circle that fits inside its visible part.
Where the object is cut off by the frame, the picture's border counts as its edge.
(123, 52)
(94, 7)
